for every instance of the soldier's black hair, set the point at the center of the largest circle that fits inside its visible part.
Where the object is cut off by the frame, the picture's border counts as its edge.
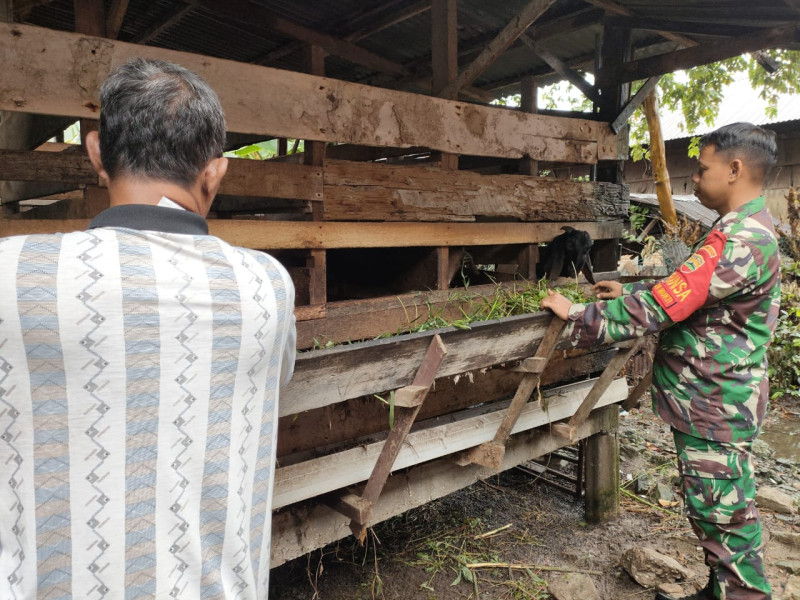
(755, 145)
(160, 121)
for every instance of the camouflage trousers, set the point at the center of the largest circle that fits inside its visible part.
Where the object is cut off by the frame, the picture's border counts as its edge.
(719, 495)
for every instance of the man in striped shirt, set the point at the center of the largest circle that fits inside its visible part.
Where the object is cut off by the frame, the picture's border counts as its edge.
(140, 368)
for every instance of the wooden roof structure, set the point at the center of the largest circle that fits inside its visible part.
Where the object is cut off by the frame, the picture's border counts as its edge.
(387, 43)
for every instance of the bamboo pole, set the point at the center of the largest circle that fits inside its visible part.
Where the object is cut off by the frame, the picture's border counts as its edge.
(659, 160)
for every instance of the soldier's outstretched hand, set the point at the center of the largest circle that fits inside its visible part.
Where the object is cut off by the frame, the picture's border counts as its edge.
(557, 303)
(608, 290)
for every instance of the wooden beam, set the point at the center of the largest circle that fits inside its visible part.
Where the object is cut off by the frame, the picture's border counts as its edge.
(618, 9)
(89, 17)
(40, 77)
(601, 471)
(375, 24)
(244, 177)
(156, 30)
(529, 102)
(315, 477)
(274, 235)
(703, 28)
(444, 61)
(644, 68)
(518, 25)
(634, 103)
(573, 77)
(250, 13)
(116, 14)
(300, 529)
(376, 192)
(304, 435)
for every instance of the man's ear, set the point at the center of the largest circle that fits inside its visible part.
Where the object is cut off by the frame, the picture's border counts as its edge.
(93, 150)
(212, 176)
(736, 170)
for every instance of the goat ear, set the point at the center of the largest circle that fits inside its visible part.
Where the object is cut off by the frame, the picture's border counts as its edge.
(567, 228)
(556, 266)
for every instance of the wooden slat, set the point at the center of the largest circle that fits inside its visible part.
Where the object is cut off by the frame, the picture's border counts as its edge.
(282, 235)
(777, 37)
(322, 475)
(244, 177)
(490, 454)
(329, 376)
(567, 73)
(634, 103)
(375, 192)
(510, 33)
(327, 429)
(300, 529)
(40, 76)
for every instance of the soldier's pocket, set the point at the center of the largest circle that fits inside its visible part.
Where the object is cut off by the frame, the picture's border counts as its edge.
(713, 486)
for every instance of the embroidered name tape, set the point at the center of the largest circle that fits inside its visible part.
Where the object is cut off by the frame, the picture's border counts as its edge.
(686, 289)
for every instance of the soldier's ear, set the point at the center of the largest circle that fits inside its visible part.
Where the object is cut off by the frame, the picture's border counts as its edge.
(735, 172)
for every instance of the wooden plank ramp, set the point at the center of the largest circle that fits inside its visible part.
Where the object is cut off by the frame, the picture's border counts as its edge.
(430, 440)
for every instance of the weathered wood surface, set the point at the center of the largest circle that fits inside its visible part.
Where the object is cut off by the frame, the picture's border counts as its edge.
(300, 529)
(450, 434)
(323, 377)
(282, 235)
(490, 454)
(644, 68)
(244, 177)
(375, 192)
(332, 425)
(403, 422)
(59, 73)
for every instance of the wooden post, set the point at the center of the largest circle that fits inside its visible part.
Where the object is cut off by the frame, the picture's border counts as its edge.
(529, 103)
(282, 146)
(615, 49)
(658, 157)
(601, 469)
(314, 155)
(444, 59)
(90, 19)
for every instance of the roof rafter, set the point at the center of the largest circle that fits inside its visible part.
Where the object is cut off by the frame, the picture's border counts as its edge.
(618, 9)
(390, 19)
(687, 58)
(248, 13)
(518, 25)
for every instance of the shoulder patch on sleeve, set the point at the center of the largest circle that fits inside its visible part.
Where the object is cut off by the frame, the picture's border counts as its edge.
(686, 289)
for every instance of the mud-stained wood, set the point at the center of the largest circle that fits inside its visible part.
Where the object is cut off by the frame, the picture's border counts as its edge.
(302, 528)
(447, 435)
(52, 72)
(335, 424)
(324, 377)
(374, 192)
(283, 235)
(244, 177)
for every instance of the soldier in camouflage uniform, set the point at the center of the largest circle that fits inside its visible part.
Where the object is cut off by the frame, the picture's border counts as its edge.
(716, 315)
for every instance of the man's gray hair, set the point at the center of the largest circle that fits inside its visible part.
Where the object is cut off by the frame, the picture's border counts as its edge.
(159, 120)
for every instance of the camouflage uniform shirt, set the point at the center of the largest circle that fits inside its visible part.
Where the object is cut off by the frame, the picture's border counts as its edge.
(716, 315)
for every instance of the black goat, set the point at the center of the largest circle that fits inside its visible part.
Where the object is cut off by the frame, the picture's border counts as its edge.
(567, 255)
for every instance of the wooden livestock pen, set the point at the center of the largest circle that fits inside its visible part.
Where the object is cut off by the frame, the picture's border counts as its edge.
(407, 173)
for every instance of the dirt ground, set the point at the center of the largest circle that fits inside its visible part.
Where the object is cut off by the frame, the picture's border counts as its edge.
(516, 518)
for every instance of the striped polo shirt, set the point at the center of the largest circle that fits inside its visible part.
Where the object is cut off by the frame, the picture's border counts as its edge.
(140, 368)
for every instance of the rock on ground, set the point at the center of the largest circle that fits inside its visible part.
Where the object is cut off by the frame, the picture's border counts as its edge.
(789, 538)
(792, 589)
(773, 499)
(649, 568)
(572, 586)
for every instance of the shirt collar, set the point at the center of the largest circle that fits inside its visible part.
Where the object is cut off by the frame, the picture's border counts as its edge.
(144, 217)
(744, 211)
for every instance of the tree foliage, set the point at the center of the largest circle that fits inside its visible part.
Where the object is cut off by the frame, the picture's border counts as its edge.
(695, 93)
